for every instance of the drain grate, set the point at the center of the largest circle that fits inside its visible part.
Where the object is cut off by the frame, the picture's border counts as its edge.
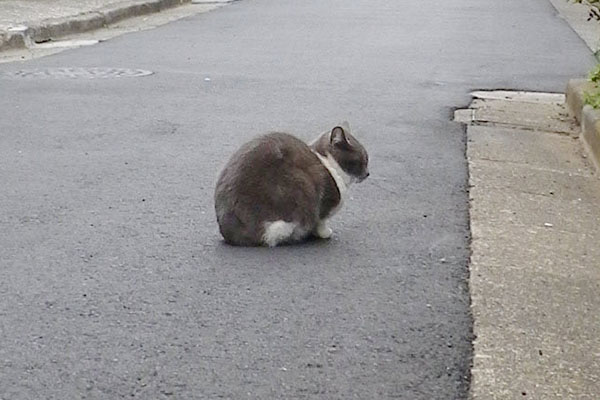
(76, 73)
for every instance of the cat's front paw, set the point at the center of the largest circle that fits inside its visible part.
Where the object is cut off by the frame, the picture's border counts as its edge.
(324, 232)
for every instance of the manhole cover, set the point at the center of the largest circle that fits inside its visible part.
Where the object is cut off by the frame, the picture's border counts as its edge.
(76, 73)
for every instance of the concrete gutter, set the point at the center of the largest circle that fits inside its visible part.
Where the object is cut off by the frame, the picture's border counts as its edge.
(534, 273)
(23, 36)
(588, 117)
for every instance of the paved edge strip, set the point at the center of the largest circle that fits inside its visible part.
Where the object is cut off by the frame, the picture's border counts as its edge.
(57, 27)
(586, 115)
(532, 205)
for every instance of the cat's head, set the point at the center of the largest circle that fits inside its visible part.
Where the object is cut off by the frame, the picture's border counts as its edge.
(349, 154)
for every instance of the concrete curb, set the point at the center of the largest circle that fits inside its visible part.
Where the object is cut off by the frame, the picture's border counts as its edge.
(27, 35)
(588, 117)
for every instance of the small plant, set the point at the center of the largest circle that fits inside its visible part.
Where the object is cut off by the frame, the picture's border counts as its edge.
(593, 97)
(594, 74)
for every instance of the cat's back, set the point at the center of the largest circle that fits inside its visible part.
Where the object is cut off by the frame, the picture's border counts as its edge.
(268, 157)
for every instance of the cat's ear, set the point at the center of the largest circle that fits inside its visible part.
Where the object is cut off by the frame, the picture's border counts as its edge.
(338, 138)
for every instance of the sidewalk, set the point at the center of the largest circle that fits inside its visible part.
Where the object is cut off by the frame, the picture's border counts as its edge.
(534, 265)
(24, 23)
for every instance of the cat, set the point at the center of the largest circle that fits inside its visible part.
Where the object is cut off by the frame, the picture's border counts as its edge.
(277, 189)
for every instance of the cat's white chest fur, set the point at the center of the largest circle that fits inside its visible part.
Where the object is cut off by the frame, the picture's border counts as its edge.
(341, 178)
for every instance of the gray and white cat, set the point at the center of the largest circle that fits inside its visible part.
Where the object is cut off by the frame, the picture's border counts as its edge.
(277, 189)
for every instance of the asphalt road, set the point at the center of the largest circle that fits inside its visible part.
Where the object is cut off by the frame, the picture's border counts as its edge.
(114, 281)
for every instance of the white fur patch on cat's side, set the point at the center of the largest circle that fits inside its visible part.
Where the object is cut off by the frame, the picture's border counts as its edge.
(277, 232)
